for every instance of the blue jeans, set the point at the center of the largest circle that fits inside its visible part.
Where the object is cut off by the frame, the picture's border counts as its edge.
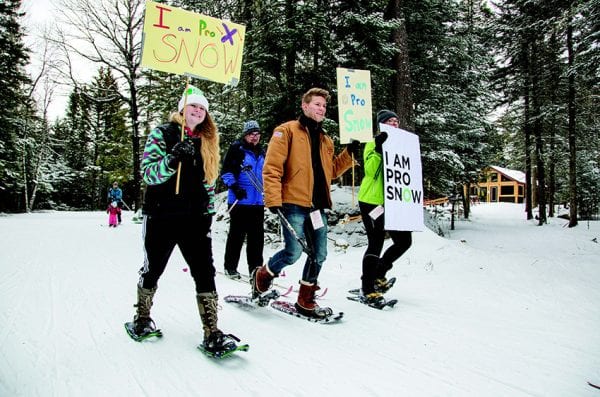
(299, 218)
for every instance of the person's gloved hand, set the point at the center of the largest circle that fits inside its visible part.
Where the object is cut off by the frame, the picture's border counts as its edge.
(182, 151)
(275, 210)
(379, 139)
(240, 193)
(354, 148)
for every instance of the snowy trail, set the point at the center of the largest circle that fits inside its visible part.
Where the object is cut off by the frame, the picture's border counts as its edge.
(494, 315)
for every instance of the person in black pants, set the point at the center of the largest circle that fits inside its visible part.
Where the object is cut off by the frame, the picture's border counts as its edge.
(371, 202)
(242, 173)
(180, 174)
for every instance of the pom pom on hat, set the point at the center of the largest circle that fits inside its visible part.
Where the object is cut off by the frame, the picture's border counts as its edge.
(250, 126)
(194, 95)
(384, 115)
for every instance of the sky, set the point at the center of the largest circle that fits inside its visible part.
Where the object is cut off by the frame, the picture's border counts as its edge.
(40, 14)
(498, 307)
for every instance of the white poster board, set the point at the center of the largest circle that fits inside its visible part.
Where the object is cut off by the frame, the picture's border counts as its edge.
(402, 180)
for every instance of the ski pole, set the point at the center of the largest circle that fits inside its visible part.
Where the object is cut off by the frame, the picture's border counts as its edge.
(258, 186)
(232, 205)
(126, 206)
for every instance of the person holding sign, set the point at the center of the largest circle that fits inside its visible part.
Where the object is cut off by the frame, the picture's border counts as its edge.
(299, 166)
(181, 218)
(371, 201)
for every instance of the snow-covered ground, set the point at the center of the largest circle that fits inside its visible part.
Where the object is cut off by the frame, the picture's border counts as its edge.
(500, 307)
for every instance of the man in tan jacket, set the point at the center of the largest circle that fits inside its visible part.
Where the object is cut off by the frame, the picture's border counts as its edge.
(299, 166)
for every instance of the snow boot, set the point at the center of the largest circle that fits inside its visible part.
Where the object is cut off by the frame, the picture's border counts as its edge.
(261, 280)
(369, 273)
(381, 283)
(142, 323)
(207, 307)
(218, 342)
(382, 268)
(306, 304)
(214, 339)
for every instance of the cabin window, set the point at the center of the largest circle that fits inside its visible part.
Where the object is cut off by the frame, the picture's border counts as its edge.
(507, 190)
(493, 177)
(504, 178)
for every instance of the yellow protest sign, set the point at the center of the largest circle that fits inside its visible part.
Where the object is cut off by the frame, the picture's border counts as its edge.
(183, 42)
(354, 105)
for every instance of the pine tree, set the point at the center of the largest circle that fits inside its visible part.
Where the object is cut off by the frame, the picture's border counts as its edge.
(15, 105)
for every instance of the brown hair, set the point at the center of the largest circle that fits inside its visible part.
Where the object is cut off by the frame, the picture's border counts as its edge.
(308, 95)
(210, 145)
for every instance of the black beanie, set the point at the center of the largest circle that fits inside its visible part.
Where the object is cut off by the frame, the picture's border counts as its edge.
(384, 115)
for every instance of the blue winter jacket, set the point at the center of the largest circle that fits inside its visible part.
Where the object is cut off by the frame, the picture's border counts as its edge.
(241, 165)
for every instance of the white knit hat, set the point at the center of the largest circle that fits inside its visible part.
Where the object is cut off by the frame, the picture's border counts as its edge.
(194, 95)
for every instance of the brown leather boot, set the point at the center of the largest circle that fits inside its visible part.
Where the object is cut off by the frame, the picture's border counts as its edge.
(262, 279)
(306, 301)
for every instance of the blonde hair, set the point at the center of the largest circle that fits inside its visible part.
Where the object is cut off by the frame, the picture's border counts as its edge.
(308, 95)
(209, 148)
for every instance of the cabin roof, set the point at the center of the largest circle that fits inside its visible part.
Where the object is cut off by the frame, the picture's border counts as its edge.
(515, 175)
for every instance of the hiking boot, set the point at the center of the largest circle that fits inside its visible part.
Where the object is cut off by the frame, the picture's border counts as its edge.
(261, 280)
(233, 274)
(306, 304)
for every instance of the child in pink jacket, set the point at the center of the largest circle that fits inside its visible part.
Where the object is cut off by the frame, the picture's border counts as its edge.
(113, 212)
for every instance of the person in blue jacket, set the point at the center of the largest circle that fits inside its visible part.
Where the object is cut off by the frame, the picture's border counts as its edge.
(242, 174)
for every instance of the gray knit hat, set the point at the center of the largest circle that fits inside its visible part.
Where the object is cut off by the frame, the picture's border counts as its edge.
(384, 115)
(250, 126)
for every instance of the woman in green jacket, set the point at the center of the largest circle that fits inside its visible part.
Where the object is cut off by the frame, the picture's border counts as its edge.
(371, 202)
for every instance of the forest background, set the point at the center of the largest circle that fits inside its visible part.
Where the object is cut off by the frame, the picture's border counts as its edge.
(512, 83)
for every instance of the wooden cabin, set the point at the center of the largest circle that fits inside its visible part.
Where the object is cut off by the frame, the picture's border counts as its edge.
(497, 184)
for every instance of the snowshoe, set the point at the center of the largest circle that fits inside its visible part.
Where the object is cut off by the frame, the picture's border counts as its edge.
(220, 345)
(142, 329)
(261, 300)
(289, 308)
(374, 299)
(382, 285)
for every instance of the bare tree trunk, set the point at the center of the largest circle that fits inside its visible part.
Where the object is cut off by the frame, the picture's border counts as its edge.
(572, 133)
(290, 60)
(401, 82)
(25, 187)
(537, 131)
(527, 133)
(466, 196)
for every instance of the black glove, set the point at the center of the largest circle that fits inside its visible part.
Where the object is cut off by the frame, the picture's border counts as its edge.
(182, 151)
(240, 193)
(354, 148)
(379, 139)
(275, 209)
